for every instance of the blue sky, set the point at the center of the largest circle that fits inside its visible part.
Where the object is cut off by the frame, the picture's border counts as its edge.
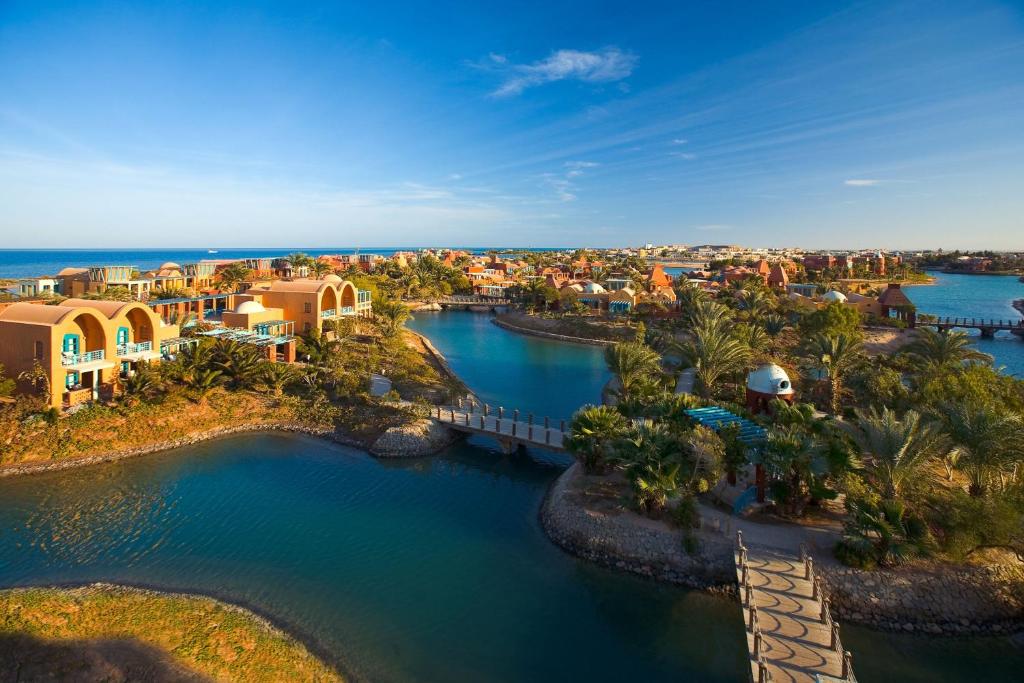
(819, 124)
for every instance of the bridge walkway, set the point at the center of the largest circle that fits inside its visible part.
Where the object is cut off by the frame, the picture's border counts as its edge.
(791, 636)
(510, 431)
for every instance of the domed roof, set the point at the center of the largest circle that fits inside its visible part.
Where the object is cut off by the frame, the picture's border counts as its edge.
(593, 288)
(832, 295)
(332, 278)
(770, 379)
(250, 307)
(170, 265)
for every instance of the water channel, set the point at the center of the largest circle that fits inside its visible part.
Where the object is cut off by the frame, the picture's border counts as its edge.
(433, 569)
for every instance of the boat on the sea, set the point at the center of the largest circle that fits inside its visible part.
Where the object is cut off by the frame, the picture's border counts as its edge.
(211, 251)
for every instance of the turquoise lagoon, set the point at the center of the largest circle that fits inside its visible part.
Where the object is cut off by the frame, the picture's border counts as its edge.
(433, 569)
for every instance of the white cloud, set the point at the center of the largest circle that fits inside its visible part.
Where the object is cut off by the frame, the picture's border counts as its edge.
(607, 65)
(862, 182)
(713, 227)
(689, 156)
(680, 141)
(454, 176)
(576, 167)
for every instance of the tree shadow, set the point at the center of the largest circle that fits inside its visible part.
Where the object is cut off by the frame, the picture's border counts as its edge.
(29, 658)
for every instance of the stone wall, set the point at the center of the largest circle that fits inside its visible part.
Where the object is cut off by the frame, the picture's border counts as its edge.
(550, 335)
(939, 599)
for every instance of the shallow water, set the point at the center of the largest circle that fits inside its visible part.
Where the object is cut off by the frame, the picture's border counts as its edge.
(429, 570)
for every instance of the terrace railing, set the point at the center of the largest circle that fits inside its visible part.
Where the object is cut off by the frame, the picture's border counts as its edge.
(328, 313)
(72, 359)
(137, 347)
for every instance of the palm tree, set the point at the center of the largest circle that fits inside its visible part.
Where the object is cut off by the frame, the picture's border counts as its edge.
(652, 459)
(774, 324)
(593, 432)
(390, 316)
(896, 451)
(884, 534)
(238, 361)
(755, 301)
(950, 348)
(631, 363)
(797, 458)
(320, 268)
(202, 383)
(834, 355)
(987, 441)
(299, 259)
(233, 275)
(143, 384)
(316, 348)
(753, 337)
(712, 351)
(277, 376)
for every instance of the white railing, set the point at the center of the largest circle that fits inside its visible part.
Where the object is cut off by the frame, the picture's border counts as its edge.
(347, 309)
(72, 359)
(328, 313)
(138, 347)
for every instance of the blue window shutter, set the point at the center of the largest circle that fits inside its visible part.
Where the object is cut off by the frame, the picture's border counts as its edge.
(70, 343)
(122, 335)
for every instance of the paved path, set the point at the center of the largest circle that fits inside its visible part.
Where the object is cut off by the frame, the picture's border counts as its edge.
(796, 645)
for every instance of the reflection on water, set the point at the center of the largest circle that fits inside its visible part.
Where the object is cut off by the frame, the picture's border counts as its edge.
(421, 570)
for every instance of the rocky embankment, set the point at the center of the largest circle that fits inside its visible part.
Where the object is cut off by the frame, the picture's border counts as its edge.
(943, 599)
(600, 530)
(584, 515)
(188, 440)
(413, 440)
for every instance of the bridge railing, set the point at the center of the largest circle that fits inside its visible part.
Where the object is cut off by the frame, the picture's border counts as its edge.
(480, 417)
(753, 625)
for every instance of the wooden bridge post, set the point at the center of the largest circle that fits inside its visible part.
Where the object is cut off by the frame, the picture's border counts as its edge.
(467, 419)
(847, 666)
(757, 643)
(834, 644)
(808, 568)
(487, 409)
(529, 429)
(482, 423)
(501, 412)
(547, 422)
(824, 610)
(753, 618)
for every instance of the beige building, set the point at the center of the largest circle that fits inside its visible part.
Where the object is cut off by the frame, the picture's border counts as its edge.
(83, 347)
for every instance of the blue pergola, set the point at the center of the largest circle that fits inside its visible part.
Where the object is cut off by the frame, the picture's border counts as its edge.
(714, 417)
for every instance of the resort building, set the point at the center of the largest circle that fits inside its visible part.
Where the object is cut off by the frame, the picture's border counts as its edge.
(31, 288)
(308, 303)
(82, 347)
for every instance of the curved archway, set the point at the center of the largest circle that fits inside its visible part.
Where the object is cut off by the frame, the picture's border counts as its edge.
(329, 299)
(141, 321)
(90, 331)
(348, 295)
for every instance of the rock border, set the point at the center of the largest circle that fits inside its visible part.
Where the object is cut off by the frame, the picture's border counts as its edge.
(613, 542)
(950, 601)
(551, 335)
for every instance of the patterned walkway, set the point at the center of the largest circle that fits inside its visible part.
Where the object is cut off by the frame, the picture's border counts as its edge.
(790, 632)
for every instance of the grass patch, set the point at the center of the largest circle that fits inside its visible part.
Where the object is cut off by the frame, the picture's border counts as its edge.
(96, 632)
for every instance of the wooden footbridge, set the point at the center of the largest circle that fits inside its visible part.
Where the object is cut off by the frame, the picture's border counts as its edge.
(791, 636)
(510, 430)
(467, 301)
(988, 328)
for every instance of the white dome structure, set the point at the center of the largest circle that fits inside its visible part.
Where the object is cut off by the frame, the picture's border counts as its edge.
(250, 307)
(332, 278)
(170, 265)
(834, 296)
(770, 379)
(593, 288)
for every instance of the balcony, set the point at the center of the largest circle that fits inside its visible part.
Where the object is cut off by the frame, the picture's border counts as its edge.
(138, 347)
(347, 310)
(328, 313)
(71, 360)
